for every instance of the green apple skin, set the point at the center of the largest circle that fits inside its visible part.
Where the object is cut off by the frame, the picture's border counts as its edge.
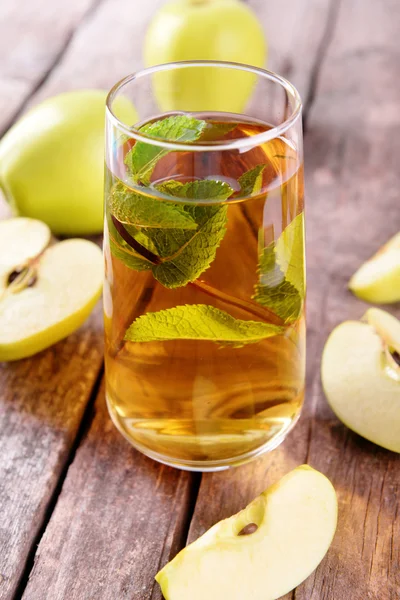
(378, 279)
(52, 161)
(296, 521)
(360, 382)
(225, 30)
(69, 284)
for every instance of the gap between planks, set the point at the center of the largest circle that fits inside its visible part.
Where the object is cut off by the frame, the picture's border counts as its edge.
(81, 433)
(53, 65)
(88, 414)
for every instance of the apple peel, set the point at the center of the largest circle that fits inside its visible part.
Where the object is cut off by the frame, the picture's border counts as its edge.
(290, 528)
(378, 279)
(361, 378)
(66, 285)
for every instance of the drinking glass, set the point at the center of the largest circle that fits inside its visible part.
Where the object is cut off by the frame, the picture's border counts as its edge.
(204, 262)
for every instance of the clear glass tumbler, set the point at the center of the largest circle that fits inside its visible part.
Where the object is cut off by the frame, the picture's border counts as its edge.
(204, 258)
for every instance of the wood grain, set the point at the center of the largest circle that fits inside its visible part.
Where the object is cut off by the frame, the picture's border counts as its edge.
(33, 38)
(119, 515)
(42, 402)
(353, 208)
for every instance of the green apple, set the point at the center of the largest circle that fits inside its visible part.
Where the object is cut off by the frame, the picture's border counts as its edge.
(46, 292)
(225, 30)
(52, 161)
(262, 552)
(378, 280)
(361, 376)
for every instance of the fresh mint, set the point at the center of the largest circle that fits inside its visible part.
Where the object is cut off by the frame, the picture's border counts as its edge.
(215, 132)
(281, 285)
(131, 260)
(182, 252)
(187, 254)
(203, 189)
(290, 253)
(251, 181)
(143, 157)
(198, 322)
(133, 208)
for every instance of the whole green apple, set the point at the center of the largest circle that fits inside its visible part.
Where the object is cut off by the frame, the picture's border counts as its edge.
(224, 30)
(52, 161)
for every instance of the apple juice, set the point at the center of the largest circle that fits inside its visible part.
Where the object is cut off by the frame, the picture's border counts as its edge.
(204, 291)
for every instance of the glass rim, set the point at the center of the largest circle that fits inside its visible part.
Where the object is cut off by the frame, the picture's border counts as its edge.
(240, 143)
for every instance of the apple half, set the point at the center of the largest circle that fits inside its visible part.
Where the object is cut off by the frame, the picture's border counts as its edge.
(361, 376)
(378, 279)
(46, 292)
(262, 552)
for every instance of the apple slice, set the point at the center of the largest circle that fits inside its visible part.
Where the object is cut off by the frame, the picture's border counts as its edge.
(262, 552)
(44, 298)
(36, 237)
(378, 280)
(361, 376)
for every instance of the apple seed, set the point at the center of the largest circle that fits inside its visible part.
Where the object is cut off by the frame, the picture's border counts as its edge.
(396, 357)
(248, 529)
(21, 277)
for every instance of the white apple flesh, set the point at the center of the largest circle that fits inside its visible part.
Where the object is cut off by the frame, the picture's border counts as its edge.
(378, 279)
(291, 526)
(66, 284)
(361, 379)
(21, 240)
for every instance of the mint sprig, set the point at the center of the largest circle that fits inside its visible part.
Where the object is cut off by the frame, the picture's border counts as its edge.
(251, 181)
(143, 157)
(199, 322)
(180, 253)
(202, 189)
(281, 284)
(132, 208)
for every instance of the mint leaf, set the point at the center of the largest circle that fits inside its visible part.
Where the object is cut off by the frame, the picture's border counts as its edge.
(136, 209)
(198, 322)
(251, 181)
(126, 255)
(187, 254)
(143, 157)
(123, 251)
(181, 253)
(215, 132)
(290, 253)
(203, 189)
(274, 291)
(281, 286)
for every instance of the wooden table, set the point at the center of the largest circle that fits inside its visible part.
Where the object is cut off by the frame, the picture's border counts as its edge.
(83, 516)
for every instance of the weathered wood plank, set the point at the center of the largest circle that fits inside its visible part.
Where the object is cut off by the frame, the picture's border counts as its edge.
(32, 39)
(353, 184)
(296, 32)
(118, 516)
(42, 401)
